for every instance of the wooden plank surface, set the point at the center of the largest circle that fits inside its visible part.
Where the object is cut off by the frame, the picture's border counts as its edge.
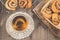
(40, 32)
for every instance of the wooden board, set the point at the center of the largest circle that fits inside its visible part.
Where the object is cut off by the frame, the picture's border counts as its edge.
(37, 11)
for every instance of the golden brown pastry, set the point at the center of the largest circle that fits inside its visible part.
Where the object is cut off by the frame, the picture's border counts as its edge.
(29, 4)
(47, 13)
(56, 6)
(59, 17)
(11, 4)
(22, 3)
(55, 20)
(19, 24)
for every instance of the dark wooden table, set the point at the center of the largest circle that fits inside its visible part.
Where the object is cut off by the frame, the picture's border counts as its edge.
(40, 32)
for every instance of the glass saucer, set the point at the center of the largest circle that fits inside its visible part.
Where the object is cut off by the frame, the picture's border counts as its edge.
(20, 34)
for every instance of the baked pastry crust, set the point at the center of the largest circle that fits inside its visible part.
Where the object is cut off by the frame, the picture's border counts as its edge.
(25, 4)
(22, 3)
(51, 12)
(11, 4)
(55, 19)
(29, 4)
(56, 6)
(47, 13)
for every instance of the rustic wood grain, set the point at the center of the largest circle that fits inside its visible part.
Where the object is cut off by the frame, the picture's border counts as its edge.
(40, 32)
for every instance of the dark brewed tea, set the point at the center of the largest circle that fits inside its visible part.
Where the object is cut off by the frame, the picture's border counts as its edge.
(19, 23)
